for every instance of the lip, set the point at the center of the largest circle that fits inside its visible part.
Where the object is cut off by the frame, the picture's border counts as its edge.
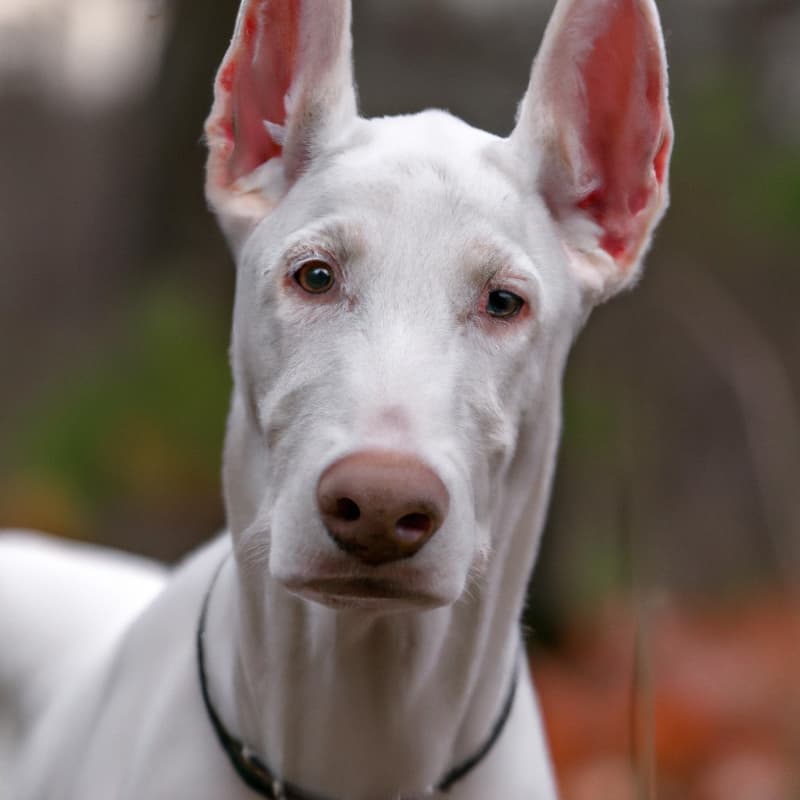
(362, 592)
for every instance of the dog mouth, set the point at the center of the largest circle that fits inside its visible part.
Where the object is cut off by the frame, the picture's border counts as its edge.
(363, 592)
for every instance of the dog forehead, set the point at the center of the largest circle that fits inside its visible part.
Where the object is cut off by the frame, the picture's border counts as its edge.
(406, 172)
(407, 160)
(428, 134)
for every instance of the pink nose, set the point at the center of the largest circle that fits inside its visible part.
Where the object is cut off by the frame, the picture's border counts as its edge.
(381, 506)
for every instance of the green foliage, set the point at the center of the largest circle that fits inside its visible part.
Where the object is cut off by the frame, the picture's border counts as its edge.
(591, 422)
(146, 413)
(730, 171)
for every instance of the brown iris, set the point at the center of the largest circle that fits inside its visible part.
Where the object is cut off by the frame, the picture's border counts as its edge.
(315, 276)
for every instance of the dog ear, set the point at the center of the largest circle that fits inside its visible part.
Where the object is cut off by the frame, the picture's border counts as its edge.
(284, 85)
(596, 116)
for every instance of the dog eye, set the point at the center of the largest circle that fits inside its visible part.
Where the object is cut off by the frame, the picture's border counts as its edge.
(503, 305)
(315, 276)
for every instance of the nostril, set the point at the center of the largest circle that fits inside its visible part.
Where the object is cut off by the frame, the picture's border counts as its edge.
(347, 509)
(412, 527)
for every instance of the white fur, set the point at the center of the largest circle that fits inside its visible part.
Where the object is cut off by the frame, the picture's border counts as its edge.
(352, 698)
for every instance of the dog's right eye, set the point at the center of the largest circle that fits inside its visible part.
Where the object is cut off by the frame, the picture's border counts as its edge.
(315, 276)
(502, 304)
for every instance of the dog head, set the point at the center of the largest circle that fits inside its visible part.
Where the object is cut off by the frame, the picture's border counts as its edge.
(408, 289)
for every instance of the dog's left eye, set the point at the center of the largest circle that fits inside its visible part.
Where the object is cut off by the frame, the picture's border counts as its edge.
(503, 304)
(315, 276)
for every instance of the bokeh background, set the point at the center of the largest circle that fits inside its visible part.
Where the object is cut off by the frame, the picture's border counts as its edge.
(664, 617)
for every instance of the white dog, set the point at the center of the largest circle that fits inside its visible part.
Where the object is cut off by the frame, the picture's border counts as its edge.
(408, 291)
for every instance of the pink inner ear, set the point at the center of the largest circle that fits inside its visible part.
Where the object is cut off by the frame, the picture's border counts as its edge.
(623, 134)
(257, 74)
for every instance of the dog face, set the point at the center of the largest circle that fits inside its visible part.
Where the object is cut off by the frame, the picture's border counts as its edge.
(440, 288)
(408, 289)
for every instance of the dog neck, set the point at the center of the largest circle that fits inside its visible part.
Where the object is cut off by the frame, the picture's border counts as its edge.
(361, 704)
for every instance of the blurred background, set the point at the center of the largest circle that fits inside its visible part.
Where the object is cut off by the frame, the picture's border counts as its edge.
(664, 617)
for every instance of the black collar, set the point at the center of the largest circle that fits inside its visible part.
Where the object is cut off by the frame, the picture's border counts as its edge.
(255, 773)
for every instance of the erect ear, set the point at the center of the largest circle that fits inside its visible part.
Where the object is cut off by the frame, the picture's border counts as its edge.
(284, 87)
(595, 128)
